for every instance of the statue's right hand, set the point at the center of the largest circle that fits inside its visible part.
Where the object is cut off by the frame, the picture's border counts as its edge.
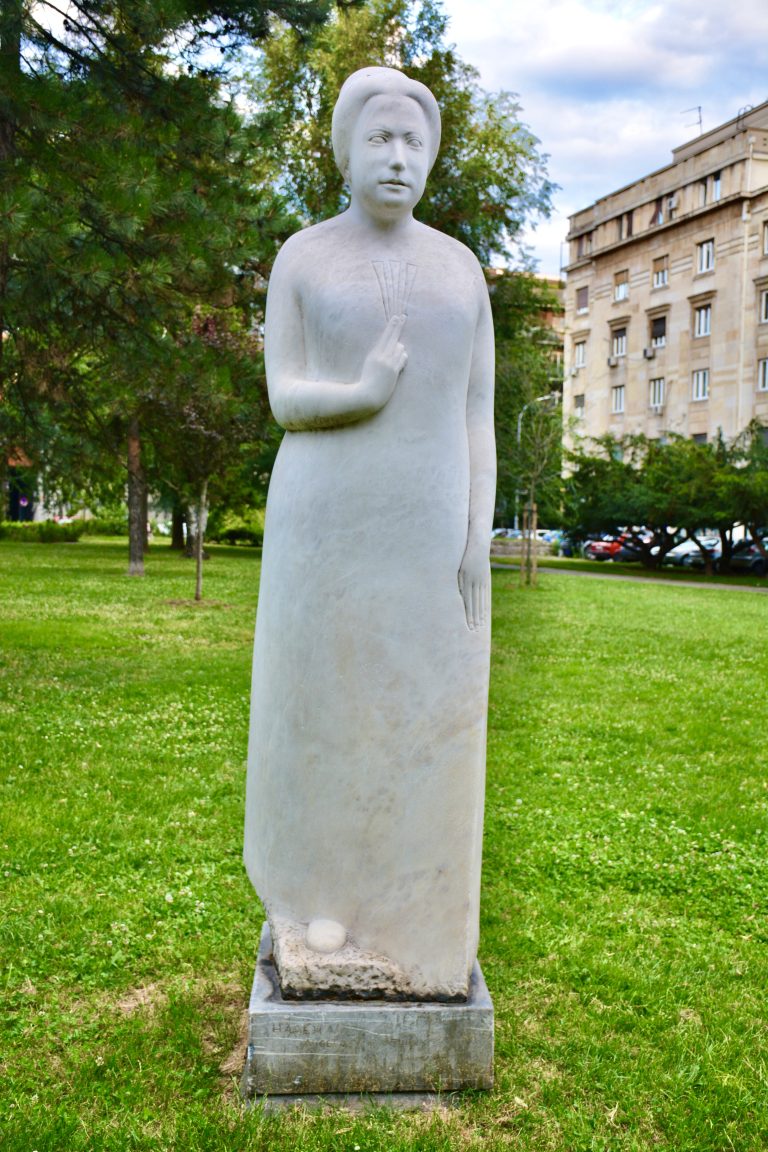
(383, 364)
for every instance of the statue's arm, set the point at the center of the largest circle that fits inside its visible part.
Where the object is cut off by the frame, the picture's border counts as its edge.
(302, 404)
(474, 573)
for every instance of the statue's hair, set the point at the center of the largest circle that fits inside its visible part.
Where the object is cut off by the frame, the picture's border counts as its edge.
(359, 88)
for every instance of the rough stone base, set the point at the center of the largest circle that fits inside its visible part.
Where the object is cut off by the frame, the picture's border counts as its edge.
(349, 973)
(328, 1048)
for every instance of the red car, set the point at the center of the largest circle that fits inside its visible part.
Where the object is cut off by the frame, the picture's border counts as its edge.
(605, 549)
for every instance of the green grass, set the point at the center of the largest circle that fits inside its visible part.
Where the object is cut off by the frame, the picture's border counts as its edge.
(624, 924)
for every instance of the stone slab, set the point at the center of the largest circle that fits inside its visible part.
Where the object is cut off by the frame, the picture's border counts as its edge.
(342, 1048)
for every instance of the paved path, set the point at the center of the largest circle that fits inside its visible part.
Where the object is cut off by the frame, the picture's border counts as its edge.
(718, 586)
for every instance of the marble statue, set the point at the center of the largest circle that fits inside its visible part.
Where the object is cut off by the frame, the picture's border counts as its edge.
(366, 768)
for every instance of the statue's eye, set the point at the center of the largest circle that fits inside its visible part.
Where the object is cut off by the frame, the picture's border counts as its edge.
(378, 138)
(414, 142)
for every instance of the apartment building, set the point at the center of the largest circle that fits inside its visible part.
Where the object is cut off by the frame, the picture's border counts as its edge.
(666, 300)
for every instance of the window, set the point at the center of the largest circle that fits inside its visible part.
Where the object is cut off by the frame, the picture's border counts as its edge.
(582, 301)
(661, 272)
(716, 185)
(700, 384)
(764, 306)
(762, 375)
(657, 216)
(705, 256)
(702, 193)
(656, 393)
(765, 238)
(625, 225)
(617, 400)
(578, 405)
(621, 285)
(579, 353)
(658, 332)
(583, 245)
(699, 437)
(619, 342)
(702, 320)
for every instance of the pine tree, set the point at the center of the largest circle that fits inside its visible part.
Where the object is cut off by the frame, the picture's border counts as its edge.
(129, 197)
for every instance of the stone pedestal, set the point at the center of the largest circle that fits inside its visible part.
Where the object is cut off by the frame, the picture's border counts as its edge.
(395, 1052)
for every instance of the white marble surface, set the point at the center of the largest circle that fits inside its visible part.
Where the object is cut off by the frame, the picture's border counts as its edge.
(367, 745)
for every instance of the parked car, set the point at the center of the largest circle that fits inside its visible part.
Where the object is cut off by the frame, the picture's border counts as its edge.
(747, 557)
(630, 552)
(619, 548)
(694, 558)
(677, 555)
(606, 548)
(627, 555)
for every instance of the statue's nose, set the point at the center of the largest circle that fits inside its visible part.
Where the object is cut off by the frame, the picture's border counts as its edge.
(397, 160)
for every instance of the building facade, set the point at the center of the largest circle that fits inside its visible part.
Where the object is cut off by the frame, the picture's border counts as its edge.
(666, 300)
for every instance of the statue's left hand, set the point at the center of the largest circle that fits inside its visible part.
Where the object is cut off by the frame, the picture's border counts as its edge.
(475, 585)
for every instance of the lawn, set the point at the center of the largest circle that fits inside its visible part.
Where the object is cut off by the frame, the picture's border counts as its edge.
(625, 914)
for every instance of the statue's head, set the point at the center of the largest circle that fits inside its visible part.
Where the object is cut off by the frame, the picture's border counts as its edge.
(386, 133)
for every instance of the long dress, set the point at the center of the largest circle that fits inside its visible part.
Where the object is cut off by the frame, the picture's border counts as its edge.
(367, 741)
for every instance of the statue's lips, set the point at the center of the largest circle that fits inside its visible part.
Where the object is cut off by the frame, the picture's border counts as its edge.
(394, 183)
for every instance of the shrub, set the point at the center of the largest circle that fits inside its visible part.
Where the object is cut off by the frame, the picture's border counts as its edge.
(42, 531)
(106, 526)
(237, 528)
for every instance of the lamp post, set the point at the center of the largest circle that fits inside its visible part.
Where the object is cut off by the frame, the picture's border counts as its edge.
(552, 397)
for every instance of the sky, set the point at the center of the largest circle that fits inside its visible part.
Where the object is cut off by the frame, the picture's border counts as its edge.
(610, 87)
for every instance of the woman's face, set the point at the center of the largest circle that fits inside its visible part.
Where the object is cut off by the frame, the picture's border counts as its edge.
(389, 157)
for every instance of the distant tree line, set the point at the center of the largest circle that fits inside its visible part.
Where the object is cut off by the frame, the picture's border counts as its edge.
(664, 490)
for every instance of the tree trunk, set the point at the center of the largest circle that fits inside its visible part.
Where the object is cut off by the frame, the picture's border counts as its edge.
(189, 542)
(534, 543)
(145, 516)
(726, 551)
(10, 72)
(202, 519)
(137, 533)
(525, 554)
(177, 527)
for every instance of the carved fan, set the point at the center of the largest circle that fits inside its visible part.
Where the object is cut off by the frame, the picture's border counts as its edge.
(395, 279)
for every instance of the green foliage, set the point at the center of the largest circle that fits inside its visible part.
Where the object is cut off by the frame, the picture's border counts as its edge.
(746, 485)
(625, 879)
(106, 525)
(42, 531)
(139, 217)
(489, 179)
(229, 527)
(131, 198)
(668, 486)
(526, 372)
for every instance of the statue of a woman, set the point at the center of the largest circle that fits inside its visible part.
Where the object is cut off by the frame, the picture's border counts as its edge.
(367, 745)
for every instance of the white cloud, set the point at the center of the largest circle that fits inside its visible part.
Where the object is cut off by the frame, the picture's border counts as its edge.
(609, 86)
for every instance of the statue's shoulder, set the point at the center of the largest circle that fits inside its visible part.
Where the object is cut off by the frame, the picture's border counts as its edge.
(454, 254)
(308, 241)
